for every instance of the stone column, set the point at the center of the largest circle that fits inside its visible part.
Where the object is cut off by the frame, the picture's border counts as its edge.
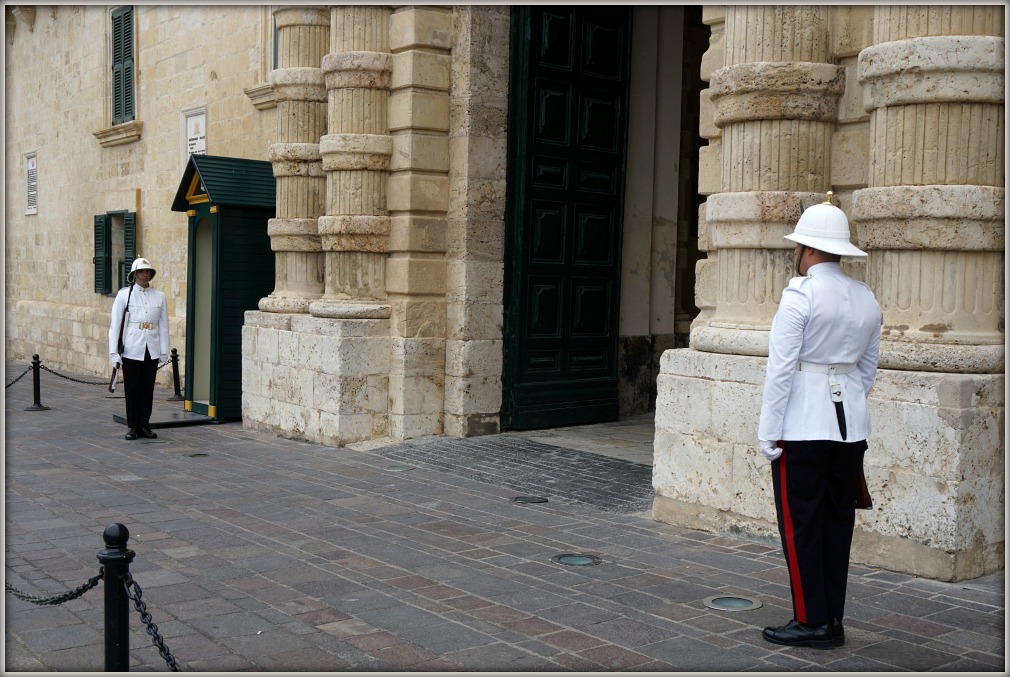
(932, 216)
(302, 38)
(355, 153)
(776, 103)
(932, 219)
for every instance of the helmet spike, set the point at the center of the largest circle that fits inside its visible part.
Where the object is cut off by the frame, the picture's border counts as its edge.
(830, 195)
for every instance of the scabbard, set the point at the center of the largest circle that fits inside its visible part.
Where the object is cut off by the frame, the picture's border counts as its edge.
(840, 414)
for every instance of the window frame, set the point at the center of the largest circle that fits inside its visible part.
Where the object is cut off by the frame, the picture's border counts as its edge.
(103, 250)
(31, 183)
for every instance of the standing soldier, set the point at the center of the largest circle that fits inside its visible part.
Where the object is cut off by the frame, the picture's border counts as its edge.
(139, 344)
(822, 360)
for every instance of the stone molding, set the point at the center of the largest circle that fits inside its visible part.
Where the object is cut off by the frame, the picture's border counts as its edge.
(128, 132)
(287, 17)
(295, 159)
(262, 96)
(293, 235)
(298, 84)
(755, 220)
(930, 217)
(368, 70)
(776, 91)
(356, 151)
(351, 309)
(958, 68)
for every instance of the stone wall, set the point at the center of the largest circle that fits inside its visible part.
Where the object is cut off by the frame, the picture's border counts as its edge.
(86, 167)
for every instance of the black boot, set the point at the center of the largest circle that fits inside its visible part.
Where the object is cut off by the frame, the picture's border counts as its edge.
(794, 633)
(131, 434)
(837, 632)
(148, 433)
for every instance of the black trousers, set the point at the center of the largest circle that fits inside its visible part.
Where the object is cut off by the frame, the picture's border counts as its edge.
(815, 488)
(138, 388)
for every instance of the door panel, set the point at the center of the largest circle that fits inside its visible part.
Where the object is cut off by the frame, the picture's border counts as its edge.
(567, 144)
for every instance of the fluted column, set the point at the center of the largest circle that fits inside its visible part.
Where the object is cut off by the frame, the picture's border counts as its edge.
(355, 153)
(932, 216)
(776, 103)
(302, 39)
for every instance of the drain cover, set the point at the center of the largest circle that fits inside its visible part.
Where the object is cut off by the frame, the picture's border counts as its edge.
(529, 499)
(576, 560)
(197, 455)
(399, 468)
(732, 603)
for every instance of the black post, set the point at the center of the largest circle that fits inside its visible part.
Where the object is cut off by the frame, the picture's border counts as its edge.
(116, 559)
(175, 377)
(36, 387)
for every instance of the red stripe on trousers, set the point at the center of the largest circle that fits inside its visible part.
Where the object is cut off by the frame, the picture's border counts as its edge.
(790, 546)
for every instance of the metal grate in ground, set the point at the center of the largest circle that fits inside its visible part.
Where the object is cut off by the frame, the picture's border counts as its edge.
(537, 469)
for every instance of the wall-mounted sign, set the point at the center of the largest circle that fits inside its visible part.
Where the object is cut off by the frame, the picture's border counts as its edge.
(196, 134)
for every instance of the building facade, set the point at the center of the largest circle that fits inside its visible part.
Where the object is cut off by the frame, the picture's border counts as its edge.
(494, 217)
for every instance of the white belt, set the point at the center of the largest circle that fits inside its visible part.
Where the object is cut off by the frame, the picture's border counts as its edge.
(144, 325)
(825, 368)
(830, 370)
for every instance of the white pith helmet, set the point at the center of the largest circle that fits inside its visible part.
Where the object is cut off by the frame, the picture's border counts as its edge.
(824, 226)
(140, 264)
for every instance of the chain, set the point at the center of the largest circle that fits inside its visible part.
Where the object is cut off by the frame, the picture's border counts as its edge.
(87, 383)
(18, 378)
(152, 628)
(58, 599)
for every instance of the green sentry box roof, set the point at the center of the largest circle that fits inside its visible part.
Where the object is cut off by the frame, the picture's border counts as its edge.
(227, 181)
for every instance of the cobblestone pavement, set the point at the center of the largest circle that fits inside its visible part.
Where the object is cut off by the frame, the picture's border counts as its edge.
(257, 553)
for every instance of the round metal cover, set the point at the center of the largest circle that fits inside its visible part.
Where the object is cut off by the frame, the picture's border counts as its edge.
(400, 468)
(529, 499)
(576, 559)
(732, 603)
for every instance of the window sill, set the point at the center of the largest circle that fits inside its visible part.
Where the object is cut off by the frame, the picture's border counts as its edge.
(262, 96)
(128, 132)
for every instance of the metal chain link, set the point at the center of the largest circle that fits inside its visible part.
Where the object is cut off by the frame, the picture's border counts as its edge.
(87, 383)
(18, 378)
(58, 599)
(152, 628)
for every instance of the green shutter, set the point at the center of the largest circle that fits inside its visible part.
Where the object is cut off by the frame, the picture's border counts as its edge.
(129, 243)
(103, 255)
(122, 65)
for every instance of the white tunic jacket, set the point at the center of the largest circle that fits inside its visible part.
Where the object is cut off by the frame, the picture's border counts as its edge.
(824, 318)
(147, 309)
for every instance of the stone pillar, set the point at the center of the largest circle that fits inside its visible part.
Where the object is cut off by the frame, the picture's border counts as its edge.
(932, 220)
(932, 216)
(776, 103)
(420, 39)
(302, 38)
(355, 229)
(475, 236)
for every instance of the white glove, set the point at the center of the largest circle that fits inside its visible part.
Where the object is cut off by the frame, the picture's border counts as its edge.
(115, 359)
(163, 358)
(769, 449)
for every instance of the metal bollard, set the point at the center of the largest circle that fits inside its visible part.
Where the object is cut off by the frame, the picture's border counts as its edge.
(116, 558)
(36, 388)
(175, 377)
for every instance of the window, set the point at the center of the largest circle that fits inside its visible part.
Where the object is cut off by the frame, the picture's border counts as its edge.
(32, 179)
(122, 65)
(115, 249)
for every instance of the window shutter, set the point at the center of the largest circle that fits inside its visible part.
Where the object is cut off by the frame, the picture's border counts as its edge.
(122, 65)
(102, 255)
(129, 244)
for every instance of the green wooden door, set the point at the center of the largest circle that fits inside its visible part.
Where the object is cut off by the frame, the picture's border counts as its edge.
(567, 146)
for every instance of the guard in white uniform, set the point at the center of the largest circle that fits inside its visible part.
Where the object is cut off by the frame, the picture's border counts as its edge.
(822, 360)
(145, 343)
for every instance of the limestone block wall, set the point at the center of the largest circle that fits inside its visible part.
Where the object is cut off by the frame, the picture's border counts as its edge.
(58, 106)
(315, 379)
(900, 111)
